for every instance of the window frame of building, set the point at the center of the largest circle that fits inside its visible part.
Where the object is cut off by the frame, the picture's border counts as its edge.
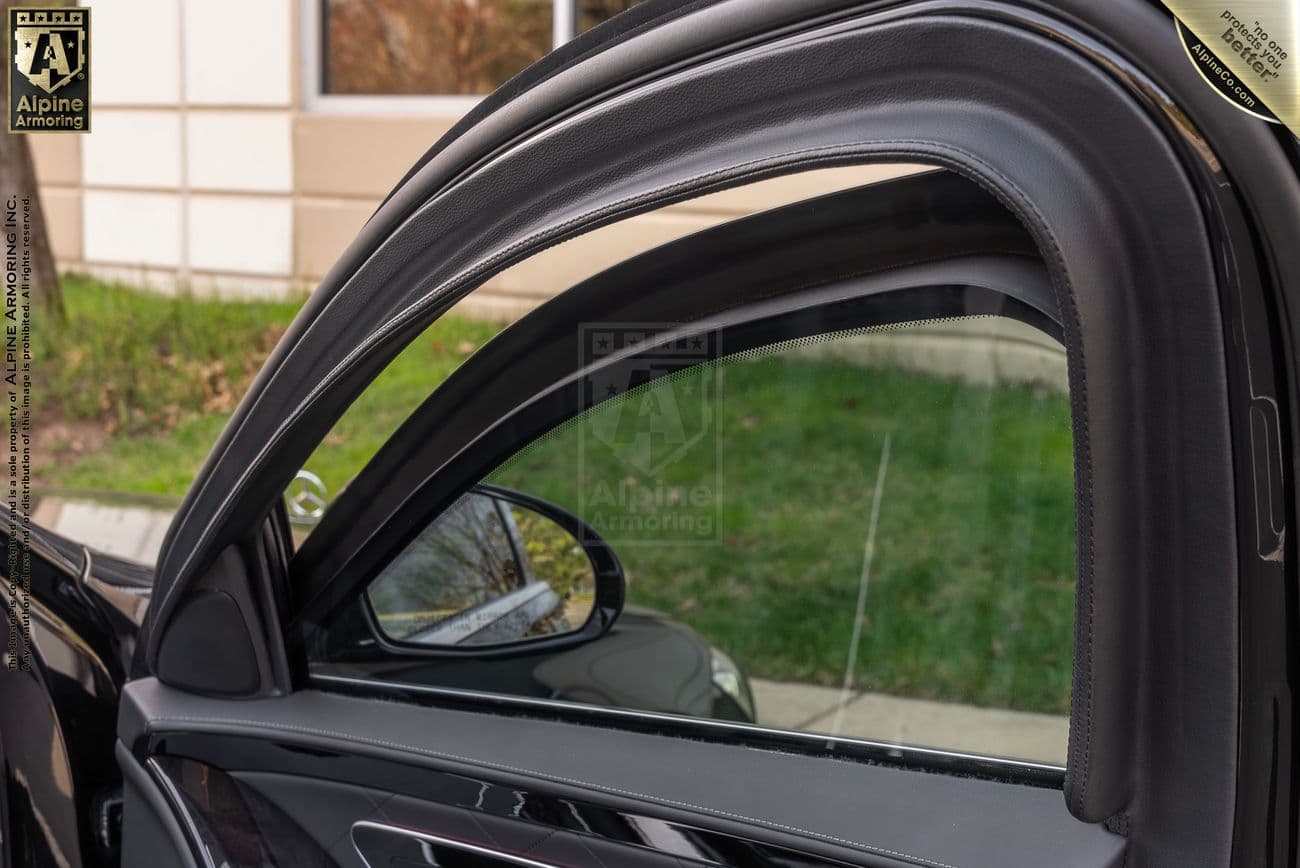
(312, 52)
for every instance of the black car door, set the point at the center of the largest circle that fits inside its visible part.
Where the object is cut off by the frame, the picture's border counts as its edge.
(334, 705)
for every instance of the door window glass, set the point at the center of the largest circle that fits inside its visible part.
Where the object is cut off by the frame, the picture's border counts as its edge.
(868, 534)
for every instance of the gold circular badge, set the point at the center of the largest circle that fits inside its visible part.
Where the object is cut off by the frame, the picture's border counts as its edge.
(1244, 50)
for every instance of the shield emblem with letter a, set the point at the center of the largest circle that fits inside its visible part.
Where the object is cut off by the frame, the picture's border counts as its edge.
(50, 48)
(648, 429)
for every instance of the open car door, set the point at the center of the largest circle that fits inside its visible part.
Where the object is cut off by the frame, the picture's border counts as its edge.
(1094, 191)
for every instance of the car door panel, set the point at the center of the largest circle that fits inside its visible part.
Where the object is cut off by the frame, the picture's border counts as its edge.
(513, 779)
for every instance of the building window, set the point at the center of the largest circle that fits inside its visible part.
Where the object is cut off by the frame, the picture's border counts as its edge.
(443, 47)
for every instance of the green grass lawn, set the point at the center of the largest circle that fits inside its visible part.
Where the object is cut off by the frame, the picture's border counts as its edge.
(159, 376)
(971, 592)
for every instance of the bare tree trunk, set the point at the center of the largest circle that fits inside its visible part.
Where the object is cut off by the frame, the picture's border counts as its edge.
(18, 178)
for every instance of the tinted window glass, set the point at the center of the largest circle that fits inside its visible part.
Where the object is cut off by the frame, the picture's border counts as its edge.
(869, 534)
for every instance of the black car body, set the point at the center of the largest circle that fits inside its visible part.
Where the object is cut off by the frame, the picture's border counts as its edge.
(1073, 133)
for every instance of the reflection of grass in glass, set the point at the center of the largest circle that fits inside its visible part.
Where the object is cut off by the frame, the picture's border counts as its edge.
(972, 589)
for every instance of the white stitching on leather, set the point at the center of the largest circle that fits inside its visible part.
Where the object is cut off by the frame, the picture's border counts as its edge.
(162, 723)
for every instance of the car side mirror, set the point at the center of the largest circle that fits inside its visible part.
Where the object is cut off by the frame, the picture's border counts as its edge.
(499, 571)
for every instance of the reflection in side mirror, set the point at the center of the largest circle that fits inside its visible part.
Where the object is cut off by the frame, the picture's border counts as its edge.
(496, 569)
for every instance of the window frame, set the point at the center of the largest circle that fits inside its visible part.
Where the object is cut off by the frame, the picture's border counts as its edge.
(864, 747)
(312, 50)
(935, 289)
(436, 494)
(879, 231)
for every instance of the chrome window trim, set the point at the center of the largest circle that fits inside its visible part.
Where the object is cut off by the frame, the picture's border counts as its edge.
(405, 834)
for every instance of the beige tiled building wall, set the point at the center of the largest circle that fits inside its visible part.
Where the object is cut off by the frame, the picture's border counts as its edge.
(216, 168)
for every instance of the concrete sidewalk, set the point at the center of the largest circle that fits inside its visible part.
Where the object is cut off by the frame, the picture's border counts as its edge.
(132, 532)
(921, 722)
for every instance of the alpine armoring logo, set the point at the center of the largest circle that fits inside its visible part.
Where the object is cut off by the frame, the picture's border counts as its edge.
(649, 444)
(49, 70)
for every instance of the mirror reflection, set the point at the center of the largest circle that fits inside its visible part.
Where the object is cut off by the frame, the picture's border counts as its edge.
(485, 572)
